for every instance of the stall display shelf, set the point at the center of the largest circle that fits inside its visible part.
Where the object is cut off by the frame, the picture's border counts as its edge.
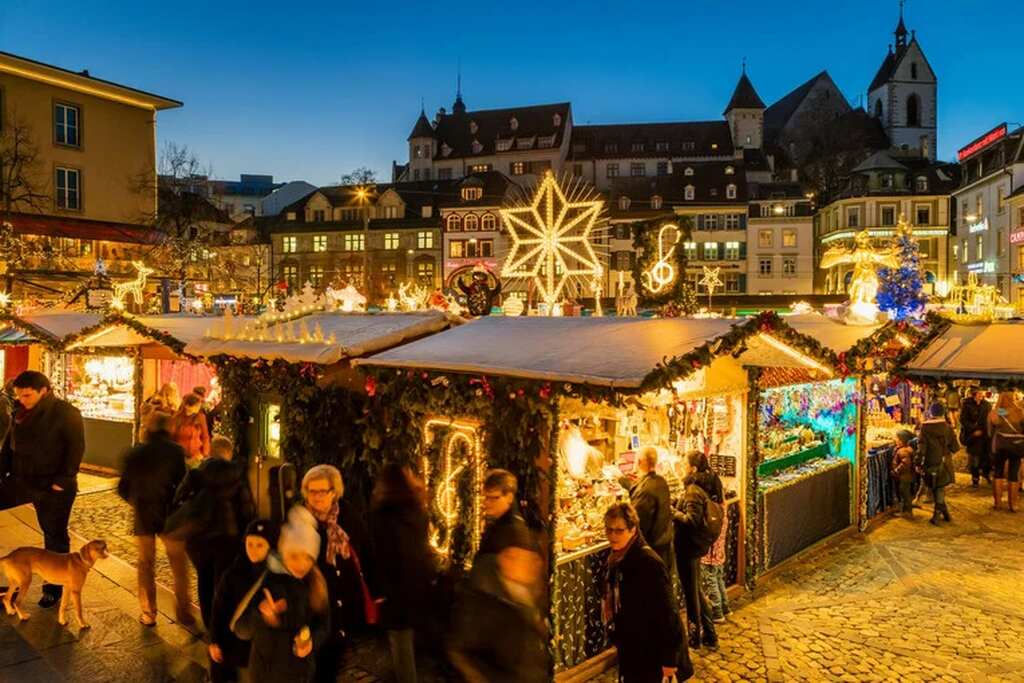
(770, 467)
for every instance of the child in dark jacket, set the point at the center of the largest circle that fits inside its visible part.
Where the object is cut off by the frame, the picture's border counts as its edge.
(285, 615)
(227, 652)
(903, 470)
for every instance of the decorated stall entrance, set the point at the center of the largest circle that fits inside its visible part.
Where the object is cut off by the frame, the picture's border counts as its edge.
(34, 341)
(565, 403)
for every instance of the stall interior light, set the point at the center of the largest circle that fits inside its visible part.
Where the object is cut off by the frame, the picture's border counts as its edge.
(793, 353)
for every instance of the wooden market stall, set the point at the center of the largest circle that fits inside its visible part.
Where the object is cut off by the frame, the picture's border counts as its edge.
(565, 403)
(33, 341)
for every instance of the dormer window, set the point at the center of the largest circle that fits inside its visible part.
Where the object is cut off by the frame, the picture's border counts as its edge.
(688, 171)
(556, 119)
(513, 123)
(655, 202)
(471, 194)
(661, 146)
(525, 143)
(714, 145)
(713, 191)
(688, 192)
(623, 203)
(445, 150)
(477, 147)
(610, 148)
(689, 146)
(921, 183)
(546, 141)
(887, 181)
(473, 128)
(504, 145)
(637, 147)
(730, 191)
(729, 170)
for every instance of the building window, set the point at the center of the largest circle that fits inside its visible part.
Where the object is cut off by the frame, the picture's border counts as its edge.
(454, 223)
(711, 221)
(444, 174)
(290, 274)
(354, 243)
(318, 216)
(732, 283)
(732, 221)
(730, 191)
(765, 238)
(661, 146)
(611, 148)
(979, 247)
(389, 272)
(688, 192)
(471, 194)
(711, 251)
(688, 171)
(424, 239)
(67, 125)
(921, 183)
(923, 215)
(479, 168)
(393, 211)
(789, 267)
(503, 145)
(729, 170)
(425, 272)
(637, 169)
(612, 171)
(517, 167)
(391, 240)
(788, 237)
(1000, 247)
(622, 261)
(316, 275)
(623, 203)
(319, 242)
(732, 251)
(69, 193)
(457, 249)
(913, 70)
(888, 215)
(471, 222)
(577, 170)
(655, 202)
(290, 244)
(764, 266)
(485, 248)
(690, 249)
(636, 147)
(689, 146)
(887, 181)
(853, 217)
(662, 168)
(913, 111)
(488, 222)
(1000, 199)
(416, 174)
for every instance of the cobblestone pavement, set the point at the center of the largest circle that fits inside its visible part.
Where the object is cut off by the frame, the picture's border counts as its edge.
(906, 601)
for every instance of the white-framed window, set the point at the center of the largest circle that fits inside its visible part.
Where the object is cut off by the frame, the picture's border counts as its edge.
(921, 183)
(612, 171)
(922, 215)
(732, 221)
(689, 145)
(354, 242)
(661, 146)
(424, 239)
(636, 147)
(488, 222)
(766, 238)
(471, 222)
(637, 169)
(454, 222)
(319, 242)
(504, 145)
(457, 249)
(67, 123)
(470, 194)
(688, 192)
(732, 282)
(688, 171)
(425, 272)
(655, 202)
(711, 221)
(789, 266)
(730, 191)
(623, 203)
(788, 237)
(318, 215)
(611, 148)
(711, 251)
(392, 240)
(69, 188)
(517, 168)
(979, 247)
(690, 249)
(352, 271)
(888, 181)
(764, 266)
(853, 217)
(392, 211)
(732, 251)
(290, 274)
(316, 275)
(289, 244)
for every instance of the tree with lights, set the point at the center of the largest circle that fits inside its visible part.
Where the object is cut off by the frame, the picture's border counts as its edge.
(900, 290)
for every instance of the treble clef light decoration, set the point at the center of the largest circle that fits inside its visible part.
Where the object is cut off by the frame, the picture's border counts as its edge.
(662, 273)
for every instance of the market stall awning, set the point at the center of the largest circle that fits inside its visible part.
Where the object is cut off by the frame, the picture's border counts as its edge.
(50, 327)
(616, 352)
(833, 334)
(183, 329)
(991, 351)
(344, 336)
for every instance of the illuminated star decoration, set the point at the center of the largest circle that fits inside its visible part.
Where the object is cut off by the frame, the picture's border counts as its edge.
(711, 281)
(551, 239)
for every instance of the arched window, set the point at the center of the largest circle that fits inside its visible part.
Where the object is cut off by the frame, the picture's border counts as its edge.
(730, 191)
(454, 223)
(488, 222)
(688, 192)
(913, 111)
(655, 202)
(878, 108)
(471, 223)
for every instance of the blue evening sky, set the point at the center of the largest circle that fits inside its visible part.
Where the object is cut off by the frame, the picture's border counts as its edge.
(309, 90)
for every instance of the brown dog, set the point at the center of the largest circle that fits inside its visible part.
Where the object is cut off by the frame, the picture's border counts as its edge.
(65, 569)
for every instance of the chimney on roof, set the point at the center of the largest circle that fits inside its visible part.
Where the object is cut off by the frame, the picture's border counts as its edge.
(84, 72)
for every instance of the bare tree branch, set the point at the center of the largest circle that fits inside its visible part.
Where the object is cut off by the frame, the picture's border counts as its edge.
(359, 176)
(24, 185)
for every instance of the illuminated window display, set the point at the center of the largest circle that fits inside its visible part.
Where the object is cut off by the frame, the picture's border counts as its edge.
(102, 387)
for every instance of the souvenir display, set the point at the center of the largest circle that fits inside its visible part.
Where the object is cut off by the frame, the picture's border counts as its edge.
(102, 387)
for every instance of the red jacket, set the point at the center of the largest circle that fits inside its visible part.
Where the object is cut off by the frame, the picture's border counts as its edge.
(191, 433)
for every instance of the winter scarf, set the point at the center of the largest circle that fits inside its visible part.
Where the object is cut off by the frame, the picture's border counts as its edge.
(610, 602)
(337, 539)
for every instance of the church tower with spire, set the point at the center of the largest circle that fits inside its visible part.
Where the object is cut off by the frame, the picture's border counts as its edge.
(745, 114)
(903, 94)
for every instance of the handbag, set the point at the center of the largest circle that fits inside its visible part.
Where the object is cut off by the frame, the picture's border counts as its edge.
(1013, 443)
(371, 608)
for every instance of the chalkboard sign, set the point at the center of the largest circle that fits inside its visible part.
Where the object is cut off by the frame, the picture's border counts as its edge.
(723, 465)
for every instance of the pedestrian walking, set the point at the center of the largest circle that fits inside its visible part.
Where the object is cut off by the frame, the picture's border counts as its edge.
(903, 471)
(150, 475)
(637, 605)
(501, 510)
(191, 430)
(974, 434)
(228, 653)
(652, 501)
(712, 574)
(936, 445)
(698, 522)
(216, 505)
(500, 635)
(40, 456)
(1006, 423)
(285, 615)
(351, 604)
(405, 562)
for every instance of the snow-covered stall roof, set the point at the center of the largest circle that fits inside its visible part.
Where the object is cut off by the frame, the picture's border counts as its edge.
(617, 352)
(183, 328)
(831, 333)
(49, 326)
(324, 338)
(989, 351)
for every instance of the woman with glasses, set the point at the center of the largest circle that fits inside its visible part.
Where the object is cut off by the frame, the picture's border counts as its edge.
(637, 605)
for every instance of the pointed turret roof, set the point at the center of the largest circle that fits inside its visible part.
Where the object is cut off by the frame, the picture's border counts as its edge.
(422, 129)
(744, 96)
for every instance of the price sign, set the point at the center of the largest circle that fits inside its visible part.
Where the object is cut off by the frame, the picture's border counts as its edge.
(723, 465)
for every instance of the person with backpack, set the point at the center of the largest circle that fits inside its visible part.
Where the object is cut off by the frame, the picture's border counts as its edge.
(937, 444)
(698, 518)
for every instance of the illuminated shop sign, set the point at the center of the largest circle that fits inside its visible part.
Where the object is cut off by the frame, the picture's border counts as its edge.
(984, 267)
(1017, 237)
(980, 226)
(994, 135)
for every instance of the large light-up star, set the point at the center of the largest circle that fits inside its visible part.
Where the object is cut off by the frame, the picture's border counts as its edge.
(710, 281)
(551, 240)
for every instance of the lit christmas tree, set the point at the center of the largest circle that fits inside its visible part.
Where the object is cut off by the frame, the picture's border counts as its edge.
(900, 289)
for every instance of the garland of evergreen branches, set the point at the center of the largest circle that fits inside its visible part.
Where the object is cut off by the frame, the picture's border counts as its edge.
(645, 244)
(110, 319)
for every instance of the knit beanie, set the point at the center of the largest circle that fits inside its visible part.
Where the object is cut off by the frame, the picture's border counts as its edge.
(299, 533)
(265, 529)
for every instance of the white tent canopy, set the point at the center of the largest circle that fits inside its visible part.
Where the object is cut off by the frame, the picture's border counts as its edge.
(56, 324)
(989, 351)
(831, 333)
(615, 352)
(346, 335)
(184, 328)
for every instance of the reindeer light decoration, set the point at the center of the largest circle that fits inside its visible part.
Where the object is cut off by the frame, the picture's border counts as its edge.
(133, 287)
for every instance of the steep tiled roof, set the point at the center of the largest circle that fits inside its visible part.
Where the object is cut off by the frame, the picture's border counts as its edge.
(709, 180)
(422, 129)
(534, 126)
(495, 186)
(885, 71)
(621, 140)
(744, 96)
(779, 114)
(879, 161)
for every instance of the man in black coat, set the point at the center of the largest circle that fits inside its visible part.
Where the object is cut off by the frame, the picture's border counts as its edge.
(974, 434)
(42, 452)
(504, 522)
(652, 501)
(151, 474)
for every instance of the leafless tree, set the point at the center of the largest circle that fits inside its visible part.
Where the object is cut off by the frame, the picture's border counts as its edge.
(359, 176)
(23, 184)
